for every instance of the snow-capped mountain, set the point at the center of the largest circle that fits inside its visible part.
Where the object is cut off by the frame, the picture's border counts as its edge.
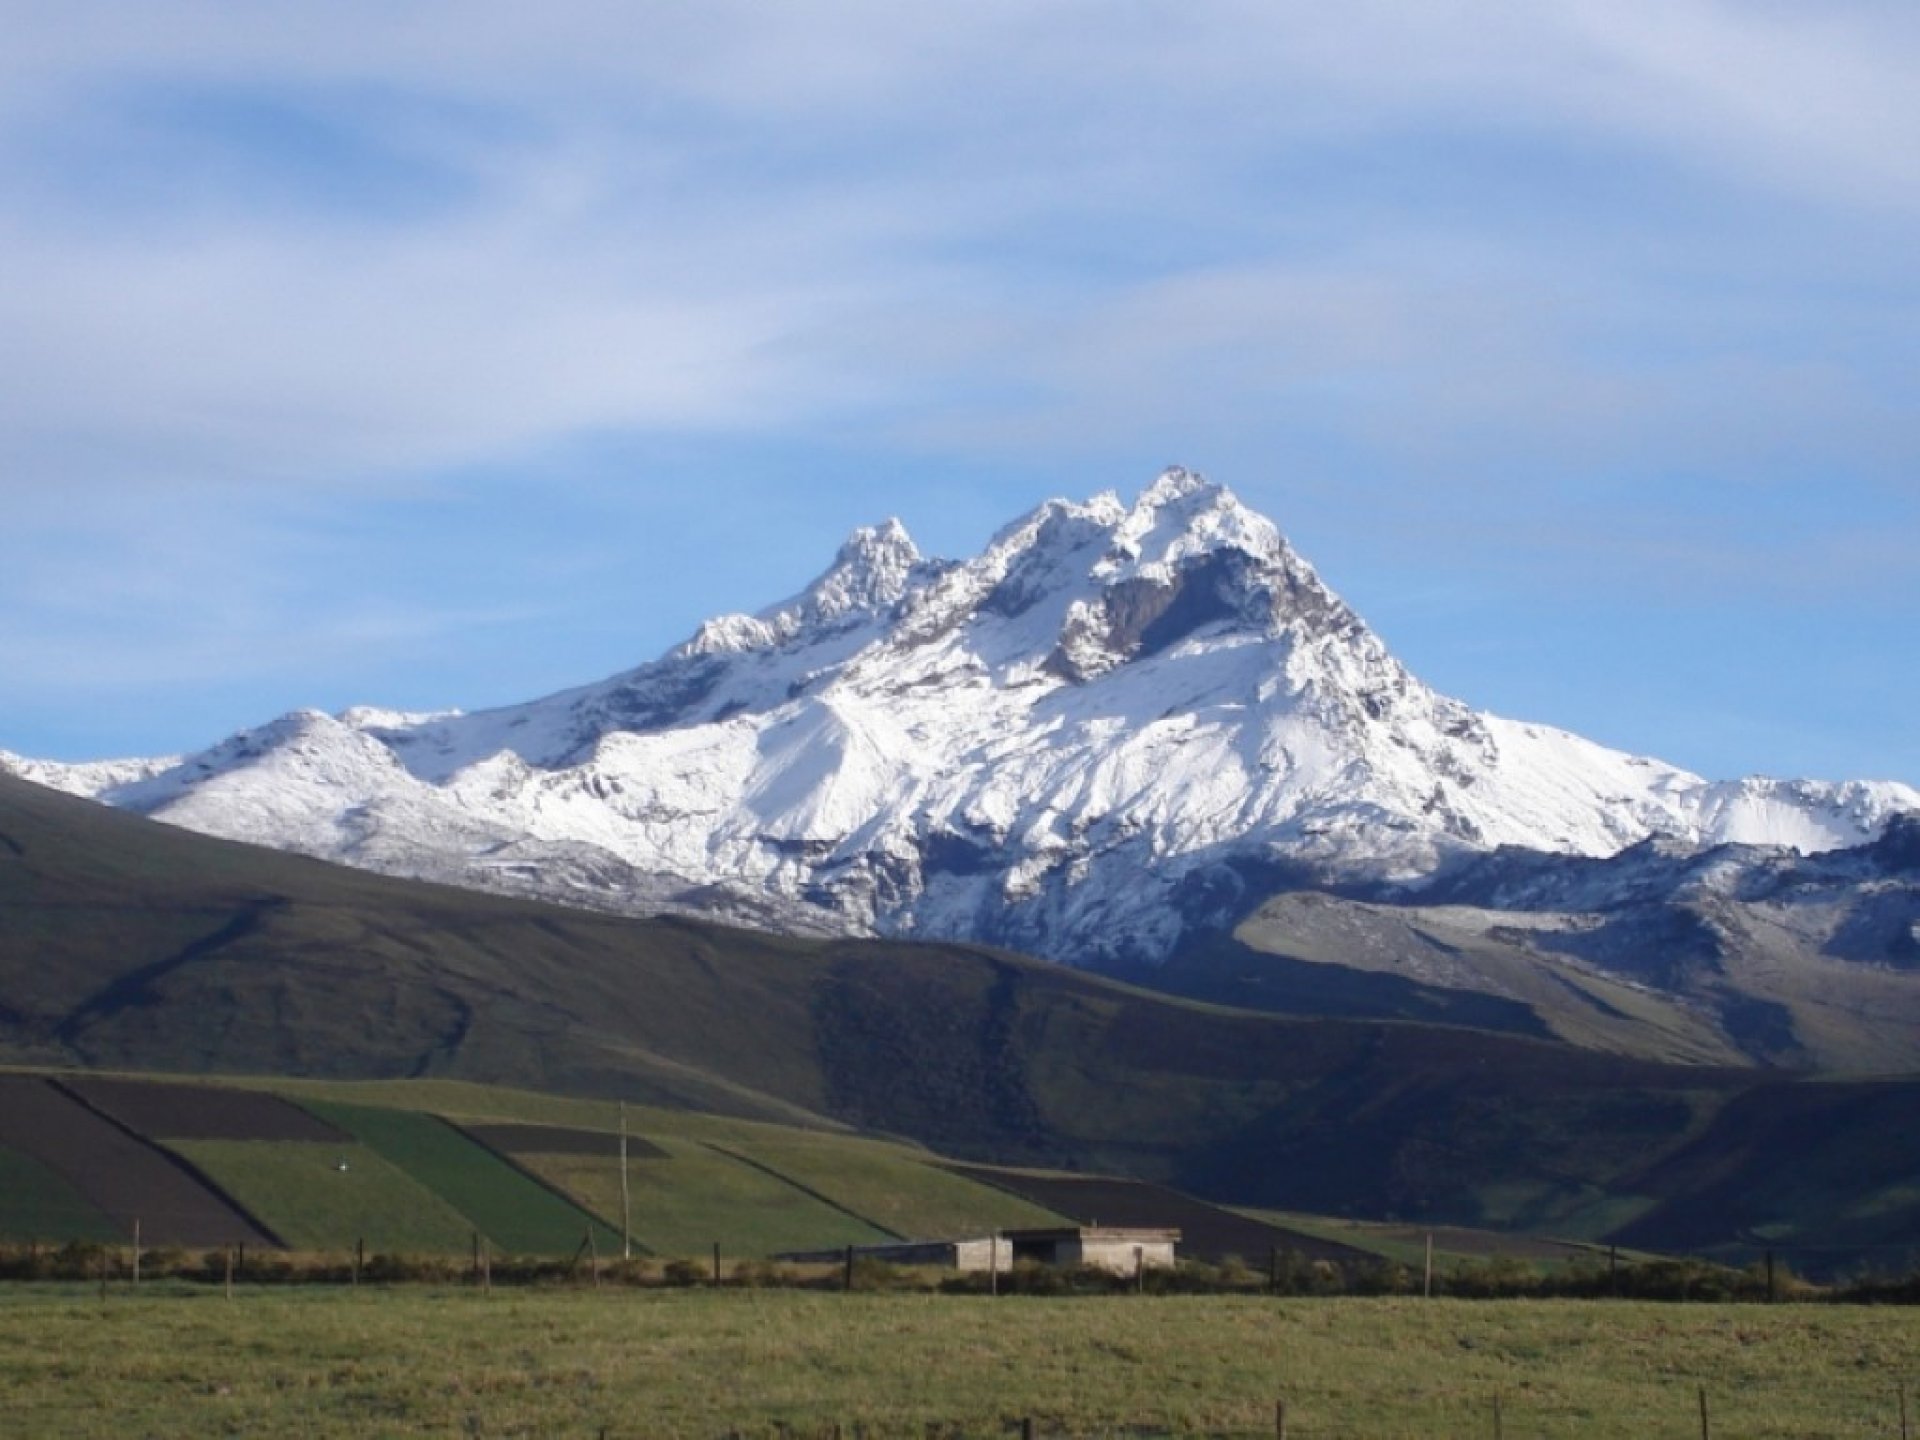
(1086, 740)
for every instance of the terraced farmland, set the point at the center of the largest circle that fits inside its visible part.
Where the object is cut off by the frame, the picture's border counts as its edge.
(264, 1159)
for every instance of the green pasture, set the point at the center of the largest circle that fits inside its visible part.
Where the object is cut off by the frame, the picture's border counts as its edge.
(697, 1195)
(1453, 1246)
(300, 1191)
(513, 1211)
(37, 1204)
(698, 1363)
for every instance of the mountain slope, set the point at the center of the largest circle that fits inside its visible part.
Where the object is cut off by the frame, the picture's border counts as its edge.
(1733, 954)
(1118, 725)
(131, 945)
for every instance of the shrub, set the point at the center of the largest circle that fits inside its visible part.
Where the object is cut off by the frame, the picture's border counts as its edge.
(685, 1272)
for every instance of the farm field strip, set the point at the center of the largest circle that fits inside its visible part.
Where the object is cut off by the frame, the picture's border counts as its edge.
(698, 1196)
(525, 1139)
(912, 1198)
(671, 1364)
(37, 1204)
(332, 1196)
(169, 1110)
(124, 1178)
(511, 1209)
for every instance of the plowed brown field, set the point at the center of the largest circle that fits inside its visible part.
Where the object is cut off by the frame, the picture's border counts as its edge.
(170, 1111)
(124, 1177)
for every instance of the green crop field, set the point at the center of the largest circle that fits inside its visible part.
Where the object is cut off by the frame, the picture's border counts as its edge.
(696, 1196)
(327, 1363)
(36, 1204)
(514, 1212)
(299, 1190)
(894, 1189)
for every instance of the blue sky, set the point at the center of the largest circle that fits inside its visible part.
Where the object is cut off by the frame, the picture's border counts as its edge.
(448, 354)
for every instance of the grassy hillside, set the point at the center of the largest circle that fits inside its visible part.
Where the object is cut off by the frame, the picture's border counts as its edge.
(132, 945)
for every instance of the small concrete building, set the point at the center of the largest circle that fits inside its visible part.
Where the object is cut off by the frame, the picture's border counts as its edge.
(1119, 1248)
(1109, 1247)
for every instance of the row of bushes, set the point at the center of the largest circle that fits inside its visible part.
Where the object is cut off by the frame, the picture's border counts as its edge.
(1500, 1277)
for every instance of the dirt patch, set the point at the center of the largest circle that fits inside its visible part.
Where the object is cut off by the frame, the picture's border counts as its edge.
(558, 1140)
(122, 1176)
(1206, 1231)
(203, 1112)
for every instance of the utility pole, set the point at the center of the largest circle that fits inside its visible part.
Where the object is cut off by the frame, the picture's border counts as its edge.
(626, 1200)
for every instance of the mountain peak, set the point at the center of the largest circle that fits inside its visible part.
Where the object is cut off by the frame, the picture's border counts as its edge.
(879, 557)
(1080, 741)
(1175, 483)
(871, 571)
(1182, 516)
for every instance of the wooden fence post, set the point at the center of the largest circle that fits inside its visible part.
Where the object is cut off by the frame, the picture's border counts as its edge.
(1426, 1288)
(1497, 1429)
(359, 1258)
(847, 1283)
(716, 1263)
(229, 1280)
(1706, 1425)
(593, 1251)
(1280, 1420)
(476, 1257)
(1904, 1435)
(136, 1253)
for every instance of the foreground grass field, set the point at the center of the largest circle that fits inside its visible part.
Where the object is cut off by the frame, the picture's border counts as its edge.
(761, 1363)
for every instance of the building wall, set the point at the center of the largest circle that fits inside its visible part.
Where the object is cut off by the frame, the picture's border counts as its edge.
(977, 1255)
(1121, 1256)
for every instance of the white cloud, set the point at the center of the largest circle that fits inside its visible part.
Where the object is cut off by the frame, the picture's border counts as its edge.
(698, 201)
(1465, 255)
